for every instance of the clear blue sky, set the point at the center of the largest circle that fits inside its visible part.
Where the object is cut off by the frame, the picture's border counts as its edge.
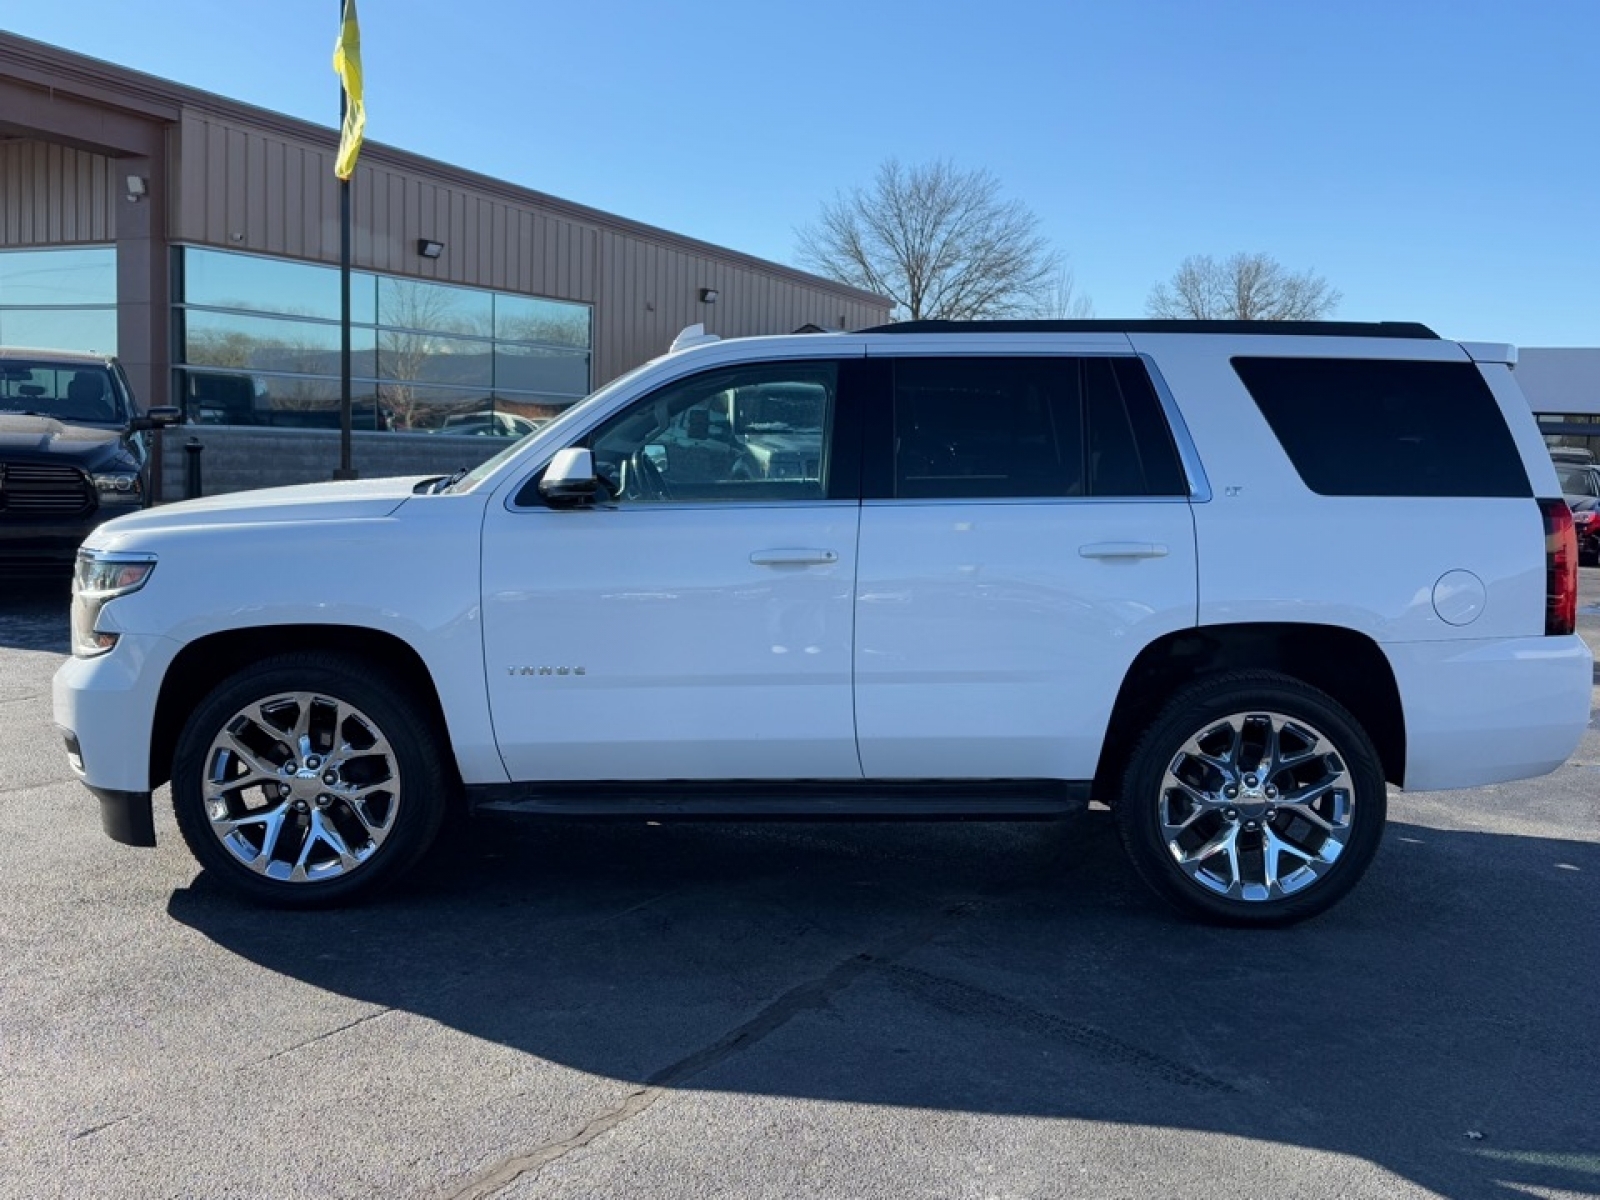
(1435, 160)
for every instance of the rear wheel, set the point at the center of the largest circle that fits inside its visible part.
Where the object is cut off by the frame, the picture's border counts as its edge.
(1253, 799)
(308, 780)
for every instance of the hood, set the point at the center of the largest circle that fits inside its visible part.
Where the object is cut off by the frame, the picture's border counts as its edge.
(346, 500)
(45, 439)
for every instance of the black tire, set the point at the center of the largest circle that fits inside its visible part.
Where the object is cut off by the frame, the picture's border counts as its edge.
(382, 830)
(1267, 825)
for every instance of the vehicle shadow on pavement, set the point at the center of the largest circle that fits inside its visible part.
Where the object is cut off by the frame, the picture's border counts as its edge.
(35, 611)
(1440, 1023)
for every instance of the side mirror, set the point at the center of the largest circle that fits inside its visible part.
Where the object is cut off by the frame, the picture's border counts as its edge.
(159, 417)
(569, 480)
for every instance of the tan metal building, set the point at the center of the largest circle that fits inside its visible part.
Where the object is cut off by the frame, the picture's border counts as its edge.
(198, 239)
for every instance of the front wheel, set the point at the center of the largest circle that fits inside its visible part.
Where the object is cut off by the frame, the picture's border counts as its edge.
(308, 780)
(1252, 799)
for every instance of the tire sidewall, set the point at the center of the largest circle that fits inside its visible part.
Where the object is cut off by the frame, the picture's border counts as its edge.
(423, 785)
(1138, 814)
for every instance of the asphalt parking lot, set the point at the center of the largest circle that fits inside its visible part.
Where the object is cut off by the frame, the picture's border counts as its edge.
(790, 1010)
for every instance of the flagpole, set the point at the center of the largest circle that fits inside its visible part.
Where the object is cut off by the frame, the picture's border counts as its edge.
(346, 470)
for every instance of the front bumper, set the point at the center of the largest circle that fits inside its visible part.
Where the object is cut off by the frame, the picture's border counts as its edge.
(51, 541)
(105, 710)
(127, 817)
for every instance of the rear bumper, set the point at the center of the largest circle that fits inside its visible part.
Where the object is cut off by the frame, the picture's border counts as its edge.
(1484, 712)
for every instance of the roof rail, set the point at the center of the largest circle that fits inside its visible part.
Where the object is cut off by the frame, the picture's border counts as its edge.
(1376, 329)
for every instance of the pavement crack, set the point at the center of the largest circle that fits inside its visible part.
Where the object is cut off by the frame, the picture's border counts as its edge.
(812, 995)
(94, 1129)
(963, 999)
(322, 1037)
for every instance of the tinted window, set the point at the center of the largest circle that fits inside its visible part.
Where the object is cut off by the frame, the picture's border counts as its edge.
(1130, 446)
(991, 427)
(1356, 427)
(752, 433)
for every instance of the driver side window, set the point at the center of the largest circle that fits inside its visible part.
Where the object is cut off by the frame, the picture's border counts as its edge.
(751, 433)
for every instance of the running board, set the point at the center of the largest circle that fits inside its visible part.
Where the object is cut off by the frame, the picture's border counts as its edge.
(789, 800)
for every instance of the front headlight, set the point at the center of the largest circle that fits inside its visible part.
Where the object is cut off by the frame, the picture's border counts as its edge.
(99, 579)
(118, 485)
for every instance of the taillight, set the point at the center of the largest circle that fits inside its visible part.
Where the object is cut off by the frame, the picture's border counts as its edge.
(1560, 568)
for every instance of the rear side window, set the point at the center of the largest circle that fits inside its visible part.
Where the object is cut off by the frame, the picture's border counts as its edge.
(1368, 427)
(977, 427)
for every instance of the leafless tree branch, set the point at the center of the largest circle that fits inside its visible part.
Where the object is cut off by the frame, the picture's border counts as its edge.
(1247, 287)
(938, 241)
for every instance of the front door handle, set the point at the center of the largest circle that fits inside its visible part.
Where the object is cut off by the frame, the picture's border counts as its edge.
(1123, 550)
(793, 558)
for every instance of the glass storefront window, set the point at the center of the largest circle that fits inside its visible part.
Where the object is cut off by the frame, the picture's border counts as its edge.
(548, 322)
(63, 299)
(419, 408)
(93, 330)
(272, 344)
(239, 398)
(537, 369)
(434, 308)
(79, 276)
(478, 361)
(428, 358)
(222, 279)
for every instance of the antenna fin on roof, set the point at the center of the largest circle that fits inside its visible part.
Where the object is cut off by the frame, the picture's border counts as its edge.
(692, 335)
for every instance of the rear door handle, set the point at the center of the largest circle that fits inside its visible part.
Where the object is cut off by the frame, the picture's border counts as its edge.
(1123, 550)
(793, 558)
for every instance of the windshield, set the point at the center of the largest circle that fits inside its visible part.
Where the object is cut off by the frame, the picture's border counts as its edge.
(74, 392)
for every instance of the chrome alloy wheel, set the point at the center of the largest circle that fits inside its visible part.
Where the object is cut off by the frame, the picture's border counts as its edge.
(1256, 806)
(301, 787)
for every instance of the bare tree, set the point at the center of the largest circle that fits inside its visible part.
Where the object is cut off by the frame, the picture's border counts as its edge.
(1248, 287)
(1064, 302)
(940, 242)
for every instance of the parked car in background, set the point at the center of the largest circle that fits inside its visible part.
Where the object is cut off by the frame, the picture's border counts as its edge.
(488, 423)
(1580, 484)
(73, 451)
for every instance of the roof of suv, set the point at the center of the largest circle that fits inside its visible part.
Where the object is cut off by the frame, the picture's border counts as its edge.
(1380, 329)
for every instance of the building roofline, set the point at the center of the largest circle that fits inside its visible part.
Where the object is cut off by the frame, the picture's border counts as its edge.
(99, 81)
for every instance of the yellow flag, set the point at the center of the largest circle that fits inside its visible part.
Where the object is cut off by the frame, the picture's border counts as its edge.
(347, 65)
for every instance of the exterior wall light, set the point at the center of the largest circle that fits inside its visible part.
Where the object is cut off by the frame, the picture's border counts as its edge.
(138, 188)
(429, 249)
(709, 295)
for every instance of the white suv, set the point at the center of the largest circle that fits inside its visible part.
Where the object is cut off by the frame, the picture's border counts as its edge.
(1228, 578)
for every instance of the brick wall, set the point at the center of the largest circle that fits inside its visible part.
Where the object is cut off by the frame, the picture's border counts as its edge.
(237, 458)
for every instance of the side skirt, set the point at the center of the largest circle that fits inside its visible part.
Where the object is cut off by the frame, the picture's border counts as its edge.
(790, 800)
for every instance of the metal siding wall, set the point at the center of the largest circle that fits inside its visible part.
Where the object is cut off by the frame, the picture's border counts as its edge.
(53, 195)
(652, 292)
(280, 195)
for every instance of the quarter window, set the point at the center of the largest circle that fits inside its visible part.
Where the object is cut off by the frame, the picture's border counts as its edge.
(1373, 427)
(751, 433)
